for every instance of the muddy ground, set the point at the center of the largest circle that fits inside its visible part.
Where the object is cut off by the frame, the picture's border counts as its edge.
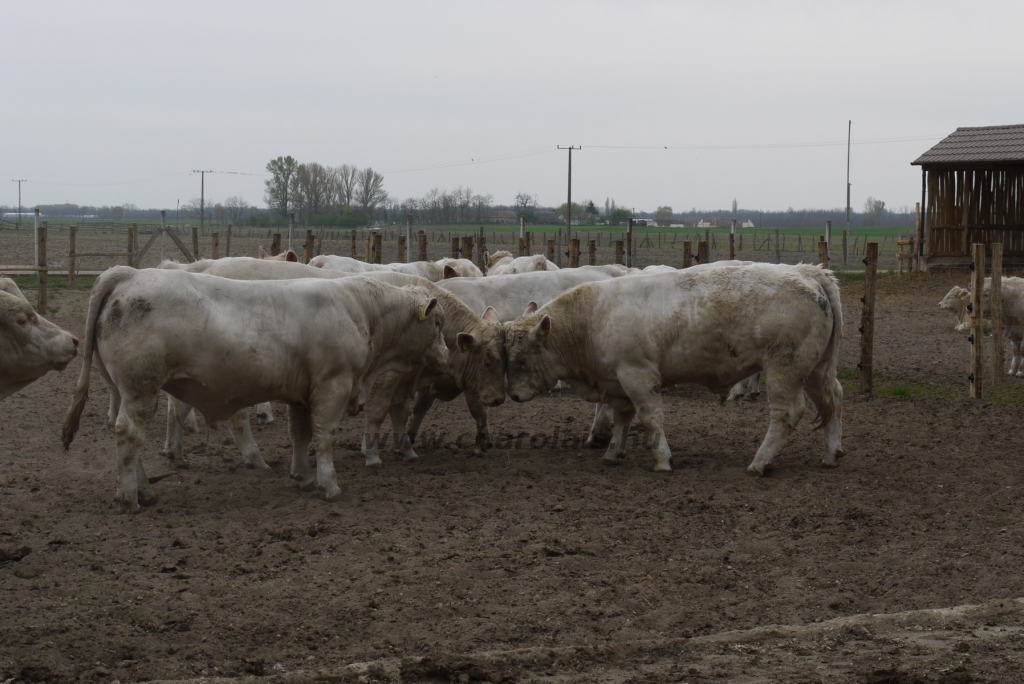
(538, 562)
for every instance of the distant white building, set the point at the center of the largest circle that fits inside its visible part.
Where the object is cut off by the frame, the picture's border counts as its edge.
(747, 224)
(704, 223)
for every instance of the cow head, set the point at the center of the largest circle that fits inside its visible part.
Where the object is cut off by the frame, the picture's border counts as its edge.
(478, 363)
(30, 345)
(289, 255)
(428, 322)
(956, 301)
(531, 361)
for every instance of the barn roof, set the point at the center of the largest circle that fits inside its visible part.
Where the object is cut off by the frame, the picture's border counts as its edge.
(980, 144)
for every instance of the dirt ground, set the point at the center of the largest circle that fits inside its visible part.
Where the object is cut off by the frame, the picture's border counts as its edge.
(537, 563)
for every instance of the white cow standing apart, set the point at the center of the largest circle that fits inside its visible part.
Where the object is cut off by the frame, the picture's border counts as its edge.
(221, 345)
(30, 345)
(503, 263)
(706, 326)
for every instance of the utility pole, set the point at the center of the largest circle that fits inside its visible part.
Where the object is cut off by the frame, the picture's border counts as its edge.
(202, 196)
(846, 249)
(19, 181)
(568, 202)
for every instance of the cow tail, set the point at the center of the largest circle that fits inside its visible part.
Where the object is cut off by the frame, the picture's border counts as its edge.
(831, 391)
(102, 289)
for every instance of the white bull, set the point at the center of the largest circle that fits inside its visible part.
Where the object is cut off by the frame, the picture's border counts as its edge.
(30, 345)
(463, 268)
(503, 263)
(222, 345)
(712, 327)
(424, 269)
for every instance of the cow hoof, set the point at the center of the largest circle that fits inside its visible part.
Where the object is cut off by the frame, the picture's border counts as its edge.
(332, 494)
(264, 419)
(257, 465)
(830, 463)
(1020, 374)
(374, 461)
(662, 468)
(597, 442)
(612, 460)
(411, 456)
(754, 470)
(478, 452)
(308, 485)
(753, 397)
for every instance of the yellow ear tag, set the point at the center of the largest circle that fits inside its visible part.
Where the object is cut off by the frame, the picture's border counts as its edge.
(423, 310)
(963, 297)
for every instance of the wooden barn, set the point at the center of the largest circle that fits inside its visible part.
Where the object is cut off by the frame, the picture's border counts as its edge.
(972, 191)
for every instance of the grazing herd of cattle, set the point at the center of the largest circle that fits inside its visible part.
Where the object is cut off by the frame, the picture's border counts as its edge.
(339, 336)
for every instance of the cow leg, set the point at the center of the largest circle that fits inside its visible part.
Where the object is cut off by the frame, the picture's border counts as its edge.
(754, 386)
(329, 405)
(786, 399)
(129, 435)
(264, 413)
(623, 416)
(376, 409)
(1015, 369)
(602, 427)
(399, 411)
(424, 400)
(114, 395)
(238, 425)
(483, 430)
(642, 390)
(736, 392)
(173, 437)
(815, 389)
(300, 429)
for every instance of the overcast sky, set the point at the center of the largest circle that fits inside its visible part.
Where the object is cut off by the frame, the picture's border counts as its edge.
(107, 103)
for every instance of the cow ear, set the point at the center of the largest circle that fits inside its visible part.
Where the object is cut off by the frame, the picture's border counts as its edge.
(426, 306)
(464, 341)
(491, 315)
(530, 308)
(450, 272)
(263, 253)
(542, 329)
(291, 256)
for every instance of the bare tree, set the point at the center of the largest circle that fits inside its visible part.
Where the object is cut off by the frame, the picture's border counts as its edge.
(236, 207)
(345, 186)
(194, 208)
(525, 203)
(277, 194)
(483, 206)
(370, 191)
(312, 188)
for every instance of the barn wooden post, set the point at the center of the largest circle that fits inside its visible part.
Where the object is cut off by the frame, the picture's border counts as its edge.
(703, 256)
(215, 245)
(73, 231)
(400, 257)
(131, 243)
(310, 247)
(275, 245)
(574, 252)
(44, 275)
(867, 318)
(629, 243)
(550, 252)
(732, 241)
(592, 249)
(823, 254)
(195, 242)
(687, 254)
(423, 245)
(620, 252)
(352, 243)
(918, 238)
(977, 337)
(455, 248)
(377, 248)
(996, 295)
(778, 253)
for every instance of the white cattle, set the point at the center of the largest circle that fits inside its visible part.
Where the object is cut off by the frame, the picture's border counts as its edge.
(30, 345)
(748, 387)
(475, 365)
(711, 326)
(221, 345)
(503, 263)
(424, 269)
(956, 301)
(463, 268)
(287, 255)
(1012, 290)
(659, 268)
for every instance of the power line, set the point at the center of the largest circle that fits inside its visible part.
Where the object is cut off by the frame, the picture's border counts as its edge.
(757, 146)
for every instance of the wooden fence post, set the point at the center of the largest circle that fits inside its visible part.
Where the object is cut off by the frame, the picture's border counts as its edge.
(275, 245)
(529, 249)
(592, 249)
(132, 232)
(368, 248)
(996, 295)
(481, 249)
(455, 248)
(977, 337)
(823, 254)
(422, 237)
(72, 232)
(620, 252)
(703, 255)
(44, 275)
(377, 248)
(352, 243)
(195, 242)
(732, 241)
(227, 247)
(629, 243)
(467, 247)
(687, 254)
(574, 252)
(215, 245)
(522, 246)
(867, 319)
(400, 258)
(309, 247)
(778, 254)
(550, 252)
